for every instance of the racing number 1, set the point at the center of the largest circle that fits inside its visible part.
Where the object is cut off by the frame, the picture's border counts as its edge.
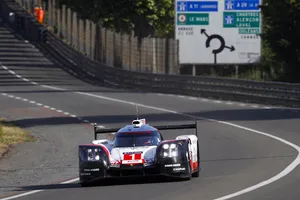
(132, 156)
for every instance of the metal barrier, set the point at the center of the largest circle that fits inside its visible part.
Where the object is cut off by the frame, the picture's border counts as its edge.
(214, 87)
(275, 93)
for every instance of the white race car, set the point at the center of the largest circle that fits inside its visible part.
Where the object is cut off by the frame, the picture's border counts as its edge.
(139, 150)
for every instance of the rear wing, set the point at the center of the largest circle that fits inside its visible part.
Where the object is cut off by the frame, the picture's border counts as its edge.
(98, 130)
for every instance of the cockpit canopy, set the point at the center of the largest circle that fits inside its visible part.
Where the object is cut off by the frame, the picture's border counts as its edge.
(137, 139)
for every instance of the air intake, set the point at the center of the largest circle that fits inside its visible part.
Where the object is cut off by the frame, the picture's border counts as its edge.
(138, 122)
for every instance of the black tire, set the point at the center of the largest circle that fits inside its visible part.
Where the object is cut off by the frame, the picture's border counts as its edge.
(197, 173)
(190, 172)
(84, 184)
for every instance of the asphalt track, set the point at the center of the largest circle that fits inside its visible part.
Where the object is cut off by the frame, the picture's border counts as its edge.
(231, 158)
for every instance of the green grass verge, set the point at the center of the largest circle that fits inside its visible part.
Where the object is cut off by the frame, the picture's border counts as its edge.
(11, 135)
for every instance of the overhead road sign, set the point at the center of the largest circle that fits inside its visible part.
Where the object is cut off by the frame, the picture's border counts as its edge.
(241, 20)
(193, 19)
(241, 5)
(218, 32)
(197, 6)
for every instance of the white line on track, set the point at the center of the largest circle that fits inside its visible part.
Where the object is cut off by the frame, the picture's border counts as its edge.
(280, 175)
(225, 102)
(47, 107)
(171, 95)
(21, 195)
(36, 191)
(12, 72)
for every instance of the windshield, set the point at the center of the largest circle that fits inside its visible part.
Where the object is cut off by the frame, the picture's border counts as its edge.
(137, 139)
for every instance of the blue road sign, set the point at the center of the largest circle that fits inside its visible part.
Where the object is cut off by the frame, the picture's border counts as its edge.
(241, 4)
(229, 20)
(197, 6)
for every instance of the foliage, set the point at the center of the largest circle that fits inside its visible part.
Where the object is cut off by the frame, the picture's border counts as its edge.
(281, 27)
(10, 135)
(1, 133)
(141, 16)
(280, 34)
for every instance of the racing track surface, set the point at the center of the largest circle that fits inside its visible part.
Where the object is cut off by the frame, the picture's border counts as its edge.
(231, 158)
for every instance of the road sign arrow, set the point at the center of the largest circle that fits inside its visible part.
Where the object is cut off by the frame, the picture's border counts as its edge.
(230, 48)
(203, 31)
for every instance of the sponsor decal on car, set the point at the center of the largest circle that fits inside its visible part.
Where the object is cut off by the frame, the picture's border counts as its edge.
(173, 165)
(179, 169)
(134, 152)
(131, 161)
(91, 170)
(85, 174)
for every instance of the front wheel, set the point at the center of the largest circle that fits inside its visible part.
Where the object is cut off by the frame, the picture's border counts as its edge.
(189, 172)
(84, 184)
(197, 173)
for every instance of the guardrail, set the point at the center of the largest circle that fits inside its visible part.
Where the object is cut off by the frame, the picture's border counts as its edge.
(274, 93)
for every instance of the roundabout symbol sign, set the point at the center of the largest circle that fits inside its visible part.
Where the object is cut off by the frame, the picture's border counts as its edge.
(221, 47)
(182, 18)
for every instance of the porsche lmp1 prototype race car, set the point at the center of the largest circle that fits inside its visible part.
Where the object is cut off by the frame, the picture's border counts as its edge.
(139, 150)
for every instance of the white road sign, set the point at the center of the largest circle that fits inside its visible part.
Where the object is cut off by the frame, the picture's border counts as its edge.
(218, 31)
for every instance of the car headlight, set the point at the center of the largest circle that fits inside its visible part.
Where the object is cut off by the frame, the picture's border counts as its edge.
(93, 155)
(170, 150)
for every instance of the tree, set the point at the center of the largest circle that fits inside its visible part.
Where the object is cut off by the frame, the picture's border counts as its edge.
(164, 23)
(281, 26)
(280, 33)
(144, 17)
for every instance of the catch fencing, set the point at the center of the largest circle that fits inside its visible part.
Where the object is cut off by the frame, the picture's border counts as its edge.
(274, 93)
(123, 51)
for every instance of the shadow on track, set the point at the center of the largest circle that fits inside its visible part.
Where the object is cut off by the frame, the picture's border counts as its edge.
(104, 183)
(162, 118)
